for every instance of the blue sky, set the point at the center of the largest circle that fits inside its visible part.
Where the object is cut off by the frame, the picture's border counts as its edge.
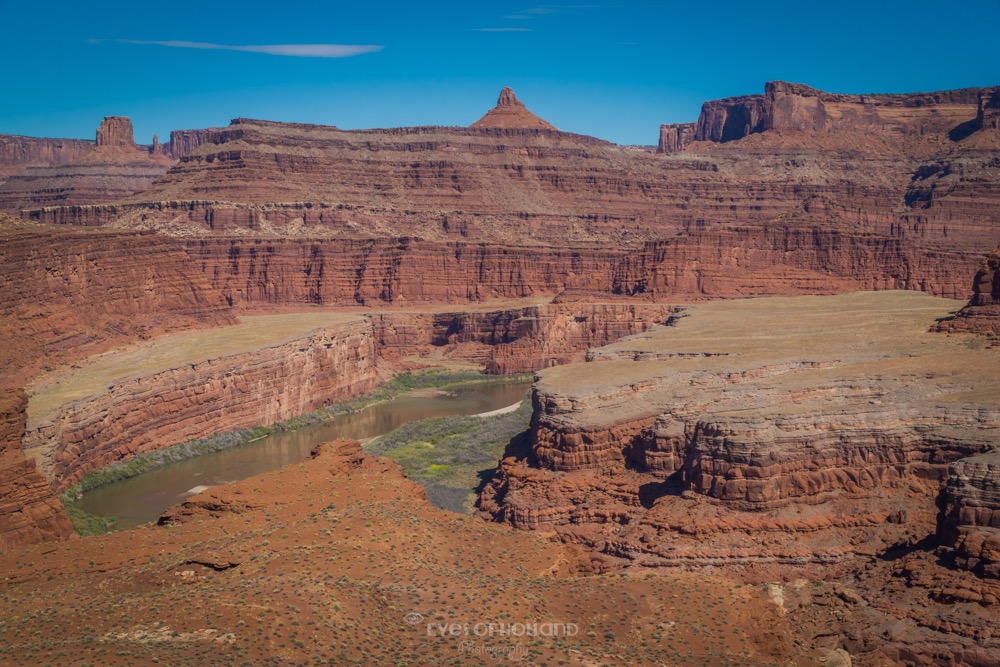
(615, 70)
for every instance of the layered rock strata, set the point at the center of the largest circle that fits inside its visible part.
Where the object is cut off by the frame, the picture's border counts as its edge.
(733, 263)
(29, 513)
(792, 107)
(982, 314)
(829, 165)
(515, 340)
(114, 168)
(510, 113)
(70, 172)
(783, 431)
(116, 131)
(969, 523)
(95, 179)
(66, 295)
(154, 410)
(18, 153)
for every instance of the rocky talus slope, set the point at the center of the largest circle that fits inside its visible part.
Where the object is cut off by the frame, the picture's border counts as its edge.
(777, 438)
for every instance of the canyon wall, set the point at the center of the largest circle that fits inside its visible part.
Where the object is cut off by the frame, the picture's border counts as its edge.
(29, 513)
(515, 340)
(982, 314)
(792, 107)
(183, 142)
(665, 448)
(795, 107)
(675, 137)
(735, 262)
(969, 522)
(731, 118)
(111, 169)
(988, 116)
(17, 153)
(69, 295)
(100, 179)
(198, 399)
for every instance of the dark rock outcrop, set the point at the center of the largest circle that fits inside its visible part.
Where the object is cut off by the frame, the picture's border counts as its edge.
(116, 131)
(731, 118)
(675, 137)
(182, 142)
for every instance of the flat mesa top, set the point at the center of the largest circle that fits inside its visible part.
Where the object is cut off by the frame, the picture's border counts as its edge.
(779, 355)
(93, 375)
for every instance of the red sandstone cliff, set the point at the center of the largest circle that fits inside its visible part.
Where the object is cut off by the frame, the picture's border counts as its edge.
(198, 399)
(69, 295)
(29, 513)
(183, 142)
(792, 107)
(113, 169)
(982, 314)
(736, 262)
(540, 188)
(515, 340)
(18, 153)
(116, 131)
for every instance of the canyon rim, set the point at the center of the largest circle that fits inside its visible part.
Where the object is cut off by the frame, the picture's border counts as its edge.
(765, 386)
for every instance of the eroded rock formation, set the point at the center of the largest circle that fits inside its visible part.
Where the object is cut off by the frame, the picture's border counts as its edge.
(784, 439)
(969, 523)
(114, 168)
(675, 434)
(183, 142)
(231, 391)
(29, 513)
(511, 114)
(982, 314)
(18, 153)
(384, 559)
(67, 295)
(675, 137)
(515, 340)
(793, 107)
(116, 131)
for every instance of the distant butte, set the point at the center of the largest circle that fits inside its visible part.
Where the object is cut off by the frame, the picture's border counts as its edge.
(510, 113)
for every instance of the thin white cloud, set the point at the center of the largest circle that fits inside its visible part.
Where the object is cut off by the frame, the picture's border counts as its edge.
(296, 50)
(516, 16)
(552, 9)
(502, 29)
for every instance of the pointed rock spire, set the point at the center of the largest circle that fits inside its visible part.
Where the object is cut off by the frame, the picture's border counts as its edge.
(508, 98)
(510, 113)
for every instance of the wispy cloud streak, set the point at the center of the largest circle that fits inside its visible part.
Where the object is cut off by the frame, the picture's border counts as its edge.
(295, 50)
